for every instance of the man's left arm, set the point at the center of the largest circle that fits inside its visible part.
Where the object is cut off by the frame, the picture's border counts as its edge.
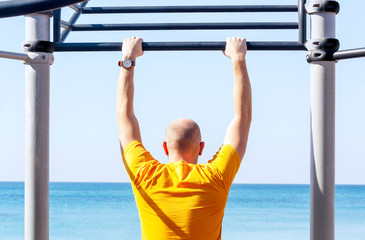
(127, 122)
(238, 130)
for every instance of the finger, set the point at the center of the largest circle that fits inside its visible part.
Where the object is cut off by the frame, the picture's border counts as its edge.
(124, 43)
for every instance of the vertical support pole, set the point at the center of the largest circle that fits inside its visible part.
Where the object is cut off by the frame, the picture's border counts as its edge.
(322, 89)
(302, 19)
(57, 25)
(37, 77)
(322, 151)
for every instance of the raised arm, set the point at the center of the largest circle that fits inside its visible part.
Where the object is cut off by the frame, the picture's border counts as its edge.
(238, 129)
(127, 122)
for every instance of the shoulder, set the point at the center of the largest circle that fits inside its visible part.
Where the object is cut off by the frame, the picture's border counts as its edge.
(135, 149)
(132, 145)
(227, 162)
(136, 156)
(226, 151)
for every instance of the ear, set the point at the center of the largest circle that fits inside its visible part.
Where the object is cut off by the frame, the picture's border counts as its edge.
(202, 144)
(164, 145)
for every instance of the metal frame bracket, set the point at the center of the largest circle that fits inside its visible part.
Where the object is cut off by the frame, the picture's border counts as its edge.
(321, 49)
(38, 46)
(39, 52)
(39, 58)
(322, 6)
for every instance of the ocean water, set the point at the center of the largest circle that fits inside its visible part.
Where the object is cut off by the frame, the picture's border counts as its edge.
(95, 211)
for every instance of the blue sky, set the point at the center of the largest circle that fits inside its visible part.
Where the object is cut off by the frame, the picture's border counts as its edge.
(83, 131)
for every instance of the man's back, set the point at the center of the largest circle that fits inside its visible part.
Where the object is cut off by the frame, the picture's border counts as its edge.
(182, 200)
(179, 200)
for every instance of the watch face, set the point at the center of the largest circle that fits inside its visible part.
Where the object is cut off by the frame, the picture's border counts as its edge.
(127, 63)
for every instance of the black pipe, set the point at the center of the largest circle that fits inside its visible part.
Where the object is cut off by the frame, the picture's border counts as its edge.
(302, 19)
(182, 26)
(176, 46)
(57, 25)
(190, 9)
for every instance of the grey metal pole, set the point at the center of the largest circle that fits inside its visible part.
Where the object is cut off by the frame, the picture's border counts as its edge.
(13, 55)
(350, 53)
(37, 75)
(322, 132)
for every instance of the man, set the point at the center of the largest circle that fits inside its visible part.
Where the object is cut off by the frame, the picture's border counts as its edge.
(182, 199)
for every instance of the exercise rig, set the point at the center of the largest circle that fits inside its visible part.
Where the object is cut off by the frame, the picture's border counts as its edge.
(322, 55)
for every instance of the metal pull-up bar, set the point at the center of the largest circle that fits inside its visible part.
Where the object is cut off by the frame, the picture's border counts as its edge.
(190, 9)
(181, 26)
(184, 26)
(175, 46)
(80, 9)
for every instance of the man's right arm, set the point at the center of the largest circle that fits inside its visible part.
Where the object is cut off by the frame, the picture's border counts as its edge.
(127, 122)
(238, 129)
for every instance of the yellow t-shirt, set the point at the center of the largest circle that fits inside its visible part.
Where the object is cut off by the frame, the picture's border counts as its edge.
(180, 200)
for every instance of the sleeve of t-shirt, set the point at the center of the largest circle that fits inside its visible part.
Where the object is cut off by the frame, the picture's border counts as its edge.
(227, 161)
(134, 156)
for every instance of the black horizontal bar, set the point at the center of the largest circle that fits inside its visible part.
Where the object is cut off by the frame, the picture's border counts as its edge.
(183, 26)
(175, 46)
(191, 9)
(351, 53)
(23, 7)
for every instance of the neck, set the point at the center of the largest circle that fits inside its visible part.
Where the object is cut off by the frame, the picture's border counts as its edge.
(187, 158)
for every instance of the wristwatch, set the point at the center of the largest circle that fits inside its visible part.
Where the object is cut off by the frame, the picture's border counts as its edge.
(127, 63)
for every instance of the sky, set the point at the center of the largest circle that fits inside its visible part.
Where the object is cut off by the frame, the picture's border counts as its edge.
(84, 145)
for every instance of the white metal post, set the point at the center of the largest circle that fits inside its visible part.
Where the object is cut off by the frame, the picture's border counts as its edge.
(13, 55)
(322, 133)
(37, 76)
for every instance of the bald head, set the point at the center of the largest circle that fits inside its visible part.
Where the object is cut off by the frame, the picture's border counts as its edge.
(183, 136)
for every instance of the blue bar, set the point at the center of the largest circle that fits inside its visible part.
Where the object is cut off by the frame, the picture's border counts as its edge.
(73, 20)
(176, 46)
(57, 25)
(190, 9)
(302, 19)
(182, 26)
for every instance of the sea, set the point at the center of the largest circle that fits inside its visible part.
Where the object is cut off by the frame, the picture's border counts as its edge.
(98, 211)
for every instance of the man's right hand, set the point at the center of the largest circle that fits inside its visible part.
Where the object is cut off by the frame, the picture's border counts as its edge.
(127, 122)
(236, 48)
(132, 48)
